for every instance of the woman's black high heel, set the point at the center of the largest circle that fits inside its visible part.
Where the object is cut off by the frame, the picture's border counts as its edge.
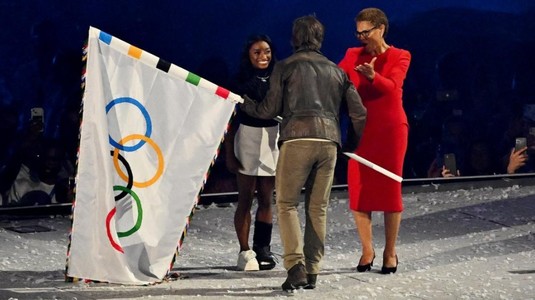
(366, 267)
(388, 270)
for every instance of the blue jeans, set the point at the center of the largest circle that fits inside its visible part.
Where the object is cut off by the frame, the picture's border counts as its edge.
(309, 164)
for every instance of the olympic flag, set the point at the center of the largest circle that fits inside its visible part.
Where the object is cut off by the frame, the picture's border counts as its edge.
(150, 131)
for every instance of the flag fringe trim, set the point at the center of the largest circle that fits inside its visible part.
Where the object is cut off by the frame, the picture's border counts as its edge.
(163, 65)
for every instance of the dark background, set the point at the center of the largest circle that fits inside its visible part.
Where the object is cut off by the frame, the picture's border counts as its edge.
(471, 60)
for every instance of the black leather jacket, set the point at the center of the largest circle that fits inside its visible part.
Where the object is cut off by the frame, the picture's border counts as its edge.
(306, 90)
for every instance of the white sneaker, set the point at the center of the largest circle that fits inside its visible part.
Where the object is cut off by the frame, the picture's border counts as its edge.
(247, 261)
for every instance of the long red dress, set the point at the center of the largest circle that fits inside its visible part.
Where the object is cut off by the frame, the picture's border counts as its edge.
(385, 136)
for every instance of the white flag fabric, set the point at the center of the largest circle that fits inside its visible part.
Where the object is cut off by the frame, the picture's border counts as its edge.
(149, 133)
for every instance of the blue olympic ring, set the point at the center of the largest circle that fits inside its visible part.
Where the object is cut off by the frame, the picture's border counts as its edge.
(145, 115)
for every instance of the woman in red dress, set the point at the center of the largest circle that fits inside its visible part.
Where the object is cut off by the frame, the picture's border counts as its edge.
(378, 71)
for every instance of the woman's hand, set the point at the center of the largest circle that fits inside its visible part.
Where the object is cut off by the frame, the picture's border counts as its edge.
(233, 164)
(367, 69)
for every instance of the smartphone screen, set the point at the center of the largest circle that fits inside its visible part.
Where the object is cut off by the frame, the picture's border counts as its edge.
(520, 142)
(450, 163)
(37, 117)
(36, 113)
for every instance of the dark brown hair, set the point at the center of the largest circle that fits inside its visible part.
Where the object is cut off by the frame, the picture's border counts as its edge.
(375, 16)
(307, 33)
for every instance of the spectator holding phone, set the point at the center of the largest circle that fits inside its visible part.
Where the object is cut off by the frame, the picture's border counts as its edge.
(480, 161)
(517, 144)
(25, 150)
(45, 181)
(518, 160)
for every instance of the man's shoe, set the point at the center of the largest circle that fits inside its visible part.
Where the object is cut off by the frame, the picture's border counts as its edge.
(266, 260)
(247, 261)
(297, 278)
(311, 281)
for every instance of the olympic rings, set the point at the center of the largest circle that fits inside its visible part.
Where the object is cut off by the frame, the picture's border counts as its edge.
(112, 213)
(145, 115)
(114, 244)
(159, 170)
(130, 177)
(139, 211)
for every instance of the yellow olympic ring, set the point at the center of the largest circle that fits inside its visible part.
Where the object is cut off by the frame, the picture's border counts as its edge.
(159, 171)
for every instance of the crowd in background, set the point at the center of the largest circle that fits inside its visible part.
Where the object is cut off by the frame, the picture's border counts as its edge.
(476, 106)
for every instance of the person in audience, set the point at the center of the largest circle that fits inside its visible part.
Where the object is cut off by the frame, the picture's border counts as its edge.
(44, 181)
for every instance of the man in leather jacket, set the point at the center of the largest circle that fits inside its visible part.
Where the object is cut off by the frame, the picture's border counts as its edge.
(306, 89)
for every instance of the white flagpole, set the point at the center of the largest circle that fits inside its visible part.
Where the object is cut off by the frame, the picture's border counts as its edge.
(374, 166)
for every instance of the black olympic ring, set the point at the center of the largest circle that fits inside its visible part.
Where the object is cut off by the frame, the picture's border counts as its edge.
(130, 177)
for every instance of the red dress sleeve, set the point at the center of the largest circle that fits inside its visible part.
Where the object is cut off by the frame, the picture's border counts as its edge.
(392, 80)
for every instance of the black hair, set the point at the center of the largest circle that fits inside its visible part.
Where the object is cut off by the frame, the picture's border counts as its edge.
(246, 69)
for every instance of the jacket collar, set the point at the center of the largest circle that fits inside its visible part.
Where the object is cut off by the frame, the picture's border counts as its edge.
(304, 49)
